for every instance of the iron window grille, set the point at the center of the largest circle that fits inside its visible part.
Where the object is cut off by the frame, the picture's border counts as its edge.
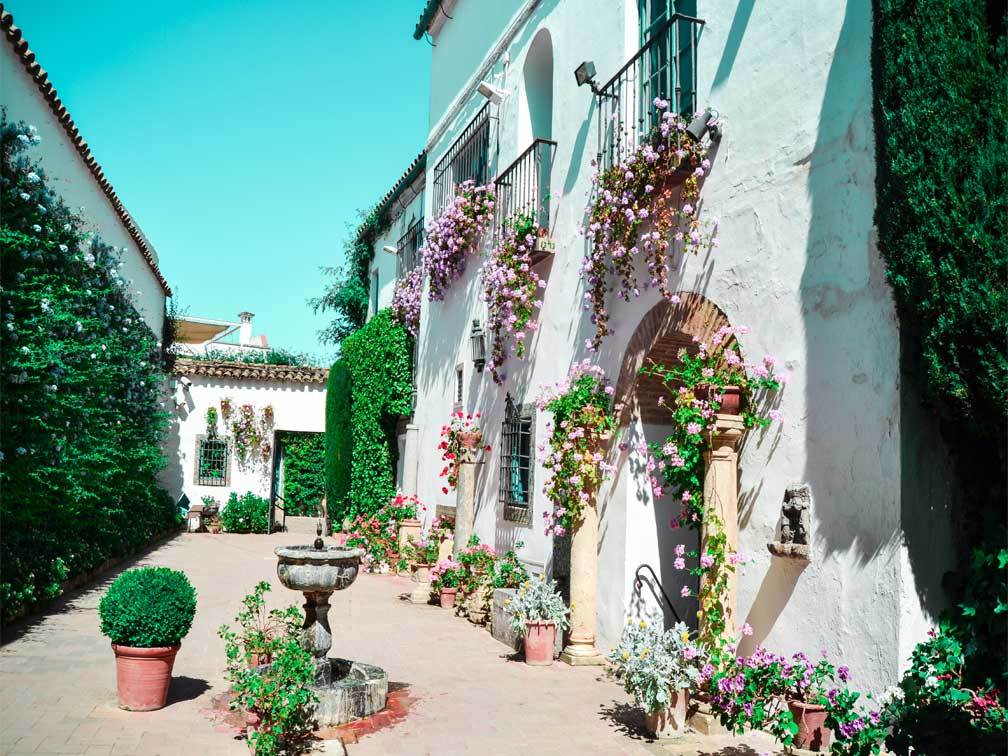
(467, 158)
(212, 462)
(459, 384)
(517, 444)
(523, 188)
(408, 249)
(665, 67)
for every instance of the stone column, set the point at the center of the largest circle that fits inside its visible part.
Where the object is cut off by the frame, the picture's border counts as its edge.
(410, 456)
(465, 501)
(580, 649)
(721, 495)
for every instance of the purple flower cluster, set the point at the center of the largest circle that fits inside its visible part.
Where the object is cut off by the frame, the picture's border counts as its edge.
(406, 300)
(637, 207)
(510, 289)
(454, 234)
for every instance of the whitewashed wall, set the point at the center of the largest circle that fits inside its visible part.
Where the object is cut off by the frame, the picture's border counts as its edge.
(793, 186)
(69, 176)
(296, 407)
(385, 262)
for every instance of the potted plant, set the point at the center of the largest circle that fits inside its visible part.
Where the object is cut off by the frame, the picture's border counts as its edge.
(536, 611)
(259, 628)
(658, 667)
(806, 687)
(478, 562)
(422, 556)
(145, 613)
(445, 579)
(443, 530)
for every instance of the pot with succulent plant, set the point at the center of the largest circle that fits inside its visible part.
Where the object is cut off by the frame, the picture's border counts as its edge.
(146, 612)
(537, 611)
(445, 579)
(658, 668)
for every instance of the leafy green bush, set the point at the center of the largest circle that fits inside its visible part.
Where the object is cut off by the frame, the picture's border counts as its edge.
(377, 360)
(304, 472)
(279, 695)
(148, 607)
(80, 374)
(245, 514)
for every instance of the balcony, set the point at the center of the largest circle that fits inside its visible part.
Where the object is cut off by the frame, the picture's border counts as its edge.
(523, 188)
(408, 249)
(665, 67)
(467, 158)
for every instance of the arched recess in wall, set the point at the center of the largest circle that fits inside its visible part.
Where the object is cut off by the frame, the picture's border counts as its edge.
(537, 120)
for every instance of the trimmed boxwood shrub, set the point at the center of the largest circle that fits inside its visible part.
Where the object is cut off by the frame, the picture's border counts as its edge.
(148, 607)
(80, 381)
(378, 361)
(247, 513)
(338, 442)
(303, 471)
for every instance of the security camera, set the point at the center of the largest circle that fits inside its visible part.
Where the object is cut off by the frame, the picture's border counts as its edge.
(186, 383)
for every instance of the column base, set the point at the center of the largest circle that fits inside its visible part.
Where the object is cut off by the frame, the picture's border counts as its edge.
(580, 656)
(421, 594)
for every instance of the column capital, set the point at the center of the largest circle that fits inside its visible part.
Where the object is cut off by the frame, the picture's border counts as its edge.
(726, 432)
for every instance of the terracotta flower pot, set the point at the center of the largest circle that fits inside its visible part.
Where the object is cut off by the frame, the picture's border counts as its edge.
(447, 597)
(540, 642)
(143, 676)
(669, 722)
(471, 439)
(256, 660)
(731, 398)
(813, 735)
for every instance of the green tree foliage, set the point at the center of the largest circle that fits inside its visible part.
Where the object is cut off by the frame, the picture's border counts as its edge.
(80, 374)
(347, 296)
(304, 472)
(940, 77)
(149, 607)
(338, 442)
(376, 360)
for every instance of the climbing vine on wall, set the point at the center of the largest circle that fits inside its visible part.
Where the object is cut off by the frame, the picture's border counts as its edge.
(303, 472)
(379, 390)
(80, 373)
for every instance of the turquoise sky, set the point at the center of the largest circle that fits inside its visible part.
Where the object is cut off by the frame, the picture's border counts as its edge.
(243, 136)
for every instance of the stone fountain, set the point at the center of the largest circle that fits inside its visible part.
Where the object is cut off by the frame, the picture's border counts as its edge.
(346, 689)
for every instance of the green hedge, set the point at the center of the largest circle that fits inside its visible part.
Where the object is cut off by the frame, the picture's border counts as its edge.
(80, 374)
(303, 472)
(377, 361)
(338, 442)
(941, 109)
(247, 513)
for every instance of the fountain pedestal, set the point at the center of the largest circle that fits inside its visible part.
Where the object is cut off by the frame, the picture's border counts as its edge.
(346, 689)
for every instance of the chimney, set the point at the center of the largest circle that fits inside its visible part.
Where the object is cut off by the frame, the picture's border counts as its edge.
(245, 331)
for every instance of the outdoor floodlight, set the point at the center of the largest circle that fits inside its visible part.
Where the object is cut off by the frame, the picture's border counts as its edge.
(478, 346)
(585, 74)
(702, 125)
(492, 93)
(390, 249)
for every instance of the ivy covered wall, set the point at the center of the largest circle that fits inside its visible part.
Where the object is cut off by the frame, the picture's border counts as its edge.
(940, 80)
(80, 374)
(370, 388)
(303, 471)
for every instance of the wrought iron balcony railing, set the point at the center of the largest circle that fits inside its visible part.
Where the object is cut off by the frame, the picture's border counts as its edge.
(408, 249)
(523, 188)
(467, 158)
(666, 68)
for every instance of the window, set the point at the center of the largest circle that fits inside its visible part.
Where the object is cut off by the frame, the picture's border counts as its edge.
(212, 466)
(374, 292)
(459, 384)
(517, 438)
(675, 41)
(408, 249)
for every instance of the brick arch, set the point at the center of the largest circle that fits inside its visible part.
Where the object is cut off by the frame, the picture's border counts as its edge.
(662, 332)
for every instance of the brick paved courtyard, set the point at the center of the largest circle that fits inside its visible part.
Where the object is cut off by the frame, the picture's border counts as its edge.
(57, 676)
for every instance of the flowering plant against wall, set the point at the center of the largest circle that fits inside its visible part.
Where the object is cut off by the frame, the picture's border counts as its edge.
(582, 417)
(510, 289)
(406, 300)
(460, 437)
(211, 421)
(249, 433)
(637, 206)
(700, 384)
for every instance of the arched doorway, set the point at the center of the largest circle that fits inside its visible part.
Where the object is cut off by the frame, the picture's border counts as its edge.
(662, 333)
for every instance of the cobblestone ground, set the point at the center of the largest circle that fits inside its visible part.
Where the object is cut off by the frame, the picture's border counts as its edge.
(58, 695)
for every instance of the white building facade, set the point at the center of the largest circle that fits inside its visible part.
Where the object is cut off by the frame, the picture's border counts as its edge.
(792, 184)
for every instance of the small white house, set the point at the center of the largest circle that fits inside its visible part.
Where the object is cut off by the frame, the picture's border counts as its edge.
(234, 413)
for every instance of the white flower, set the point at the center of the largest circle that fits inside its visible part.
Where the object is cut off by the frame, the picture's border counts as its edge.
(23, 138)
(37, 228)
(79, 327)
(25, 196)
(21, 450)
(25, 350)
(33, 177)
(104, 348)
(41, 209)
(63, 248)
(93, 355)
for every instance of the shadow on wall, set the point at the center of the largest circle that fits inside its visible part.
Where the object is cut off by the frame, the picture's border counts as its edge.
(863, 427)
(172, 477)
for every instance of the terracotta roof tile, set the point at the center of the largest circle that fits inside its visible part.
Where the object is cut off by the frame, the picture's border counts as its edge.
(20, 45)
(251, 371)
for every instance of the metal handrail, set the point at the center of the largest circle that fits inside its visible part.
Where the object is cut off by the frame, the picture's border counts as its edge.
(650, 43)
(463, 152)
(638, 582)
(525, 184)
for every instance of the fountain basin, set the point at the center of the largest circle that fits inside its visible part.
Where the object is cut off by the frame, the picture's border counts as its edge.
(310, 570)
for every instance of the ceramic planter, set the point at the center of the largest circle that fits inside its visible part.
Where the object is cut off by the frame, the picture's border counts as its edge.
(471, 439)
(447, 597)
(669, 722)
(540, 642)
(143, 676)
(813, 735)
(731, 398)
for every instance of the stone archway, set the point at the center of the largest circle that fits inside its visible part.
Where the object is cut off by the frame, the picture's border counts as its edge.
(665, 330)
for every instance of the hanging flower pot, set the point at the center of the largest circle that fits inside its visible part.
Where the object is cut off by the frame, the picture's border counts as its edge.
(813, 735)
